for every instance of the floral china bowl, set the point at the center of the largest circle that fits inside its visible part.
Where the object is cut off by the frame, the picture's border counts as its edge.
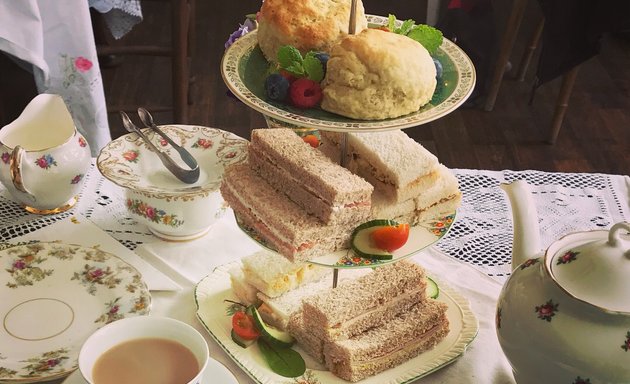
(171, 209)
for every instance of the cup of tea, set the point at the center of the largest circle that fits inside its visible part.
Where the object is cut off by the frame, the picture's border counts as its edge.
(144, 349)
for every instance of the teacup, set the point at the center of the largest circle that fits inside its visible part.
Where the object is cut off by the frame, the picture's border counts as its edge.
(117, 348)
(43, 158)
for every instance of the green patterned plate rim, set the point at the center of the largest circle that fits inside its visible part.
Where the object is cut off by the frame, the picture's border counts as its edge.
(421, 236)
(243, 68)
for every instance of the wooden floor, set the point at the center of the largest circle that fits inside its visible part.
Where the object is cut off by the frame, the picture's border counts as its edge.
(595, 136)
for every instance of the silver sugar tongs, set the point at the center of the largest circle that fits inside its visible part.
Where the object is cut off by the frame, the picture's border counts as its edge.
(188, 176)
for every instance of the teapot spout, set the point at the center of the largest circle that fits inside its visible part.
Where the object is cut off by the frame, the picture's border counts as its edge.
(526, 244)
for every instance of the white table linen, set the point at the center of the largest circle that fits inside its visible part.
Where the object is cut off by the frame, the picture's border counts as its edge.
(471, 258)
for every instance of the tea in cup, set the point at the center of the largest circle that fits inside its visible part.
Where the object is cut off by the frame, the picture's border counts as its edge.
(43, 158)
(144, 349)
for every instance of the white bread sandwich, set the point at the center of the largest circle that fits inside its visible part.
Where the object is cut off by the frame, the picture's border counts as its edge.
(280, 222)
(399, 339)
(245, 292)
(396, 165)
(274, 275)
(378, 75)
(440, 198)
(305, 24)
(366, 302)
(279, 310)
(310, 179)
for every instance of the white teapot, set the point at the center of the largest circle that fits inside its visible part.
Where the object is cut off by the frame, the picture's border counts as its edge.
(563, 316)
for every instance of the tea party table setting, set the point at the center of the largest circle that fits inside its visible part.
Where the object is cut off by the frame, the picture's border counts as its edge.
(472, 258)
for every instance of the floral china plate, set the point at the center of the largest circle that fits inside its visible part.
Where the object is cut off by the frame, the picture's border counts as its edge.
(211, 292)
(244, 70)
(422, 235)
(54, 296)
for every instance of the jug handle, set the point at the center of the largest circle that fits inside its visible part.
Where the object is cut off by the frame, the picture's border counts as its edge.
(15, 169)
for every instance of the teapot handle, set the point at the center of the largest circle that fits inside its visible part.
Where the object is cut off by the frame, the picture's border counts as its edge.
(15, 169)
(612, 239)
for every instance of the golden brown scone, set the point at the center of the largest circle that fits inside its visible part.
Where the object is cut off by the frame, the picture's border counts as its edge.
(378, 75)
(305, 24)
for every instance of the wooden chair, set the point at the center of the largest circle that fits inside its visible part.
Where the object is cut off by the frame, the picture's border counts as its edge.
(180, 52)
(505, 50)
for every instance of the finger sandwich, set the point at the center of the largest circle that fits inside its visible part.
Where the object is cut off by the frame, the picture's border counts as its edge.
(311, 180)
(281, 223)
(274, 275)
(366, 302)
(443, 197)
(396, 165)
(330, 326)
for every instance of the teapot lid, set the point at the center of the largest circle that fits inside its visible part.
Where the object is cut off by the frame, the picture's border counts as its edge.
(594, 267)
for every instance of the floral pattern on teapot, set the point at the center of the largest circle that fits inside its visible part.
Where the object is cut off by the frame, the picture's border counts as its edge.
(567, 257)
(547, 311)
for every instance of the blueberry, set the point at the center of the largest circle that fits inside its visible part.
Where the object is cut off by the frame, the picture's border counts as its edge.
(438, 68)
(276, 87)
(323, 58)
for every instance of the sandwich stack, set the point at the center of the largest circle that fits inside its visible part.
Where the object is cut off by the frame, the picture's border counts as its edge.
(410, 184)
(276, 285)
(372, 323)
(294, 197)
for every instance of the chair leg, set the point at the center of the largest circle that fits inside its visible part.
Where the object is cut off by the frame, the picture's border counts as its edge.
(180, 61)
(562, 103)
(507, 43)
(529, 52)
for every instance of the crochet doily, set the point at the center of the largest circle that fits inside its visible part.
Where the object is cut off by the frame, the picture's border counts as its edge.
(481, 234)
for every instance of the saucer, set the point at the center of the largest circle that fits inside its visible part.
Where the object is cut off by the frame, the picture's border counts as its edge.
(215, 373)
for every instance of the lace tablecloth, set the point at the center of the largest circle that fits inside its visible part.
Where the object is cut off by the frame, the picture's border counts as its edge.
(481, 235)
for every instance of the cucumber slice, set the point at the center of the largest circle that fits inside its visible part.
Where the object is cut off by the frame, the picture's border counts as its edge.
(271, 334)
(433, 291)
(361, 242)
(240, 341)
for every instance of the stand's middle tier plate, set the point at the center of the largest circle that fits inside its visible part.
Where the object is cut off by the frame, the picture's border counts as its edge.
(421, 236)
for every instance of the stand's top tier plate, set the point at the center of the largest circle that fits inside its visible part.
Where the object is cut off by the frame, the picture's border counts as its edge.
(244, 70)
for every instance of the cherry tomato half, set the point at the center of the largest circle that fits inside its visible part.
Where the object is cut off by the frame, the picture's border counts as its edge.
(243, 325)
(390, 238)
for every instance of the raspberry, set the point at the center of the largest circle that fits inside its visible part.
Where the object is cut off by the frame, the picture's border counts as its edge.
(305, 93)
(276, 87)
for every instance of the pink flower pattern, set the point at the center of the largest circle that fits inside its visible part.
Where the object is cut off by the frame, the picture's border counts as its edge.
(5, 157)
(82, 64)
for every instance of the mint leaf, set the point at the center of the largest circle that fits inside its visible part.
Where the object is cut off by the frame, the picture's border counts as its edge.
(313, 68)
(295, 69)
(288, 56)
(428, 36)
(283, 361)
(391, 23)
(406, 26)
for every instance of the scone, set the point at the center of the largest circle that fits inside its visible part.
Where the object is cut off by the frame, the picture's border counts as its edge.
(378, 75)
(305, 24)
